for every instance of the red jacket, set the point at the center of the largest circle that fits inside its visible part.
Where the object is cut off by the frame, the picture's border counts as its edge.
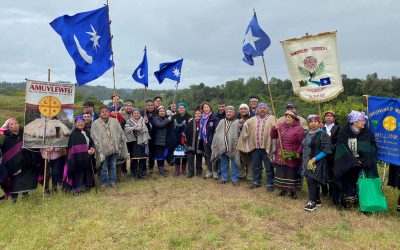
(291, 137)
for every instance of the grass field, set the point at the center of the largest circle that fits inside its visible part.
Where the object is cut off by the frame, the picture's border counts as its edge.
(181, 213)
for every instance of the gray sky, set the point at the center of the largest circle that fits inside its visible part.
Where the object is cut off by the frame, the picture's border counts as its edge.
(208, 34)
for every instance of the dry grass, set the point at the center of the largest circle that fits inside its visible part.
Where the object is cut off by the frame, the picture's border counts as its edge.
(181, 213)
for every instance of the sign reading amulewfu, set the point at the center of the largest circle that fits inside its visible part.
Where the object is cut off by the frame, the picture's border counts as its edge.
(314, 66)
(48, 114)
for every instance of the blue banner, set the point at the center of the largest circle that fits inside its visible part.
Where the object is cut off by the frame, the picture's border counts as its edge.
(384, 122)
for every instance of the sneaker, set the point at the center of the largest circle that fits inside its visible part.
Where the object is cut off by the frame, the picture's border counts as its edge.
(215, 176)
(310, 206)
(253, 186)
(270, 188)
(208, 175)
(318, 203)
(190, 175)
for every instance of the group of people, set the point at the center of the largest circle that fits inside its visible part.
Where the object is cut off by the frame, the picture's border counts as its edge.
(236, 145)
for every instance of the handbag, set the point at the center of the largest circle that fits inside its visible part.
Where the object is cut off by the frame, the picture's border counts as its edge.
(371, 197)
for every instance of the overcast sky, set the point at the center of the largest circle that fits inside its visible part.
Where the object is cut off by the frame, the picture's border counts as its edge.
(208, 34)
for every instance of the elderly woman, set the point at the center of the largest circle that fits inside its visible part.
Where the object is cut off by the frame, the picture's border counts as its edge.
(287, 155)
(316, 146)
(224, 146)
(180, 121)
(138, 137)
(355, 151)
(78, 172)
(245, 159)
(19, 162)
(208, 124)
(161, 130)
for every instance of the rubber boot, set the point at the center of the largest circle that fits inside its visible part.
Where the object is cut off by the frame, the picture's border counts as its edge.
(161, 171)
(184, 169)
(176, 173)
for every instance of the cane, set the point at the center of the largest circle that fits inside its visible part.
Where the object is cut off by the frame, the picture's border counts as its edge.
(384, 175)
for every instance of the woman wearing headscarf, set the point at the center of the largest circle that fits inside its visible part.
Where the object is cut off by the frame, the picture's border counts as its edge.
(138, 137)
(355, 151)
(19, 162)
(332, 128)
(208, 124)
(316, 146)
(180, 120)
(78, 171)
(288, 154)
(161, 131)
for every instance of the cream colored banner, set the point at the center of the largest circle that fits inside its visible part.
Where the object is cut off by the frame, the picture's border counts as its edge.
(314, 66)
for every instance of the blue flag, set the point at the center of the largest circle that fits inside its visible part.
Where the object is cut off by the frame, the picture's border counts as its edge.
(141, 72)
(256, 41)
(170, 70)
(86, 36)
(384, 122)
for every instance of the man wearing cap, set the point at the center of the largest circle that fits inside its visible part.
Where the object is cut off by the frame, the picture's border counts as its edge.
(224, 146)
(148, 116)
(253, 105)
(255, 139)
(88, 108)
(292, 107)
(127, 112)
(110, 144)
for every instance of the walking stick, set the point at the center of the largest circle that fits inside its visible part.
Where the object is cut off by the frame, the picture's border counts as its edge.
(384, 174)
(45, 173)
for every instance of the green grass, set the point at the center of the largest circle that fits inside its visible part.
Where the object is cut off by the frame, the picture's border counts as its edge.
(181, 213)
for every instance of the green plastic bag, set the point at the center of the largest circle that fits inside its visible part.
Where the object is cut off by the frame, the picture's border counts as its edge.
(371, 197)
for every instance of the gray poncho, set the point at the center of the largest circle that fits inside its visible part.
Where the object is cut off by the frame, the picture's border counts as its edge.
(225, 140)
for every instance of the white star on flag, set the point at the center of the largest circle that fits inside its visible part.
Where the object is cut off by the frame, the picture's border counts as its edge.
(176, 72)
(95, 38)
(250, 39)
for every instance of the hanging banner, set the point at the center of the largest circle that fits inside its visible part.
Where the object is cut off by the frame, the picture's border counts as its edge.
(384, 122)
(48, 114)
(314, 66)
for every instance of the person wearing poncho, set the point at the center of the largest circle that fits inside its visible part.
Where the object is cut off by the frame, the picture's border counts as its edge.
(19, 162)
(245, 160)
(316, 146)
(255, 139)
(138, 138)
(224, 146)
(355, 151)
(78, 171)
(288, 156)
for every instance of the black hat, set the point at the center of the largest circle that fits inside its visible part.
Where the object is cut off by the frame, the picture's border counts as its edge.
(290, 106)
(88, 104)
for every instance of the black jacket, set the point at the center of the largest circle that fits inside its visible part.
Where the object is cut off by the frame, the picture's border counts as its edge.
(160, 130)
(212, 124)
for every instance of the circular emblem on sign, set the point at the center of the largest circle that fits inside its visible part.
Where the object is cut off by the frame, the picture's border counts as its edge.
(389, 123)
(49, 106)
(310, 62)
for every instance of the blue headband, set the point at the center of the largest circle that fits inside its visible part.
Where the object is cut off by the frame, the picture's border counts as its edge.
(79, 118)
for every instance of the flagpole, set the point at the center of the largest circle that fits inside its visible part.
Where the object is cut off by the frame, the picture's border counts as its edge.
(176, 91)
(111, 37)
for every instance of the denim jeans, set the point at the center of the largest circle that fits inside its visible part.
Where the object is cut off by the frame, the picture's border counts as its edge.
(259, 156)
(225, 169)
(111, 162)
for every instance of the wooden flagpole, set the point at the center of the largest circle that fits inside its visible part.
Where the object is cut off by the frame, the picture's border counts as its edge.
(111, 37)
(44, 139)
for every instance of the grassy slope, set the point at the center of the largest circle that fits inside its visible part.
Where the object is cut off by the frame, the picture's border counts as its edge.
(197, 214)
